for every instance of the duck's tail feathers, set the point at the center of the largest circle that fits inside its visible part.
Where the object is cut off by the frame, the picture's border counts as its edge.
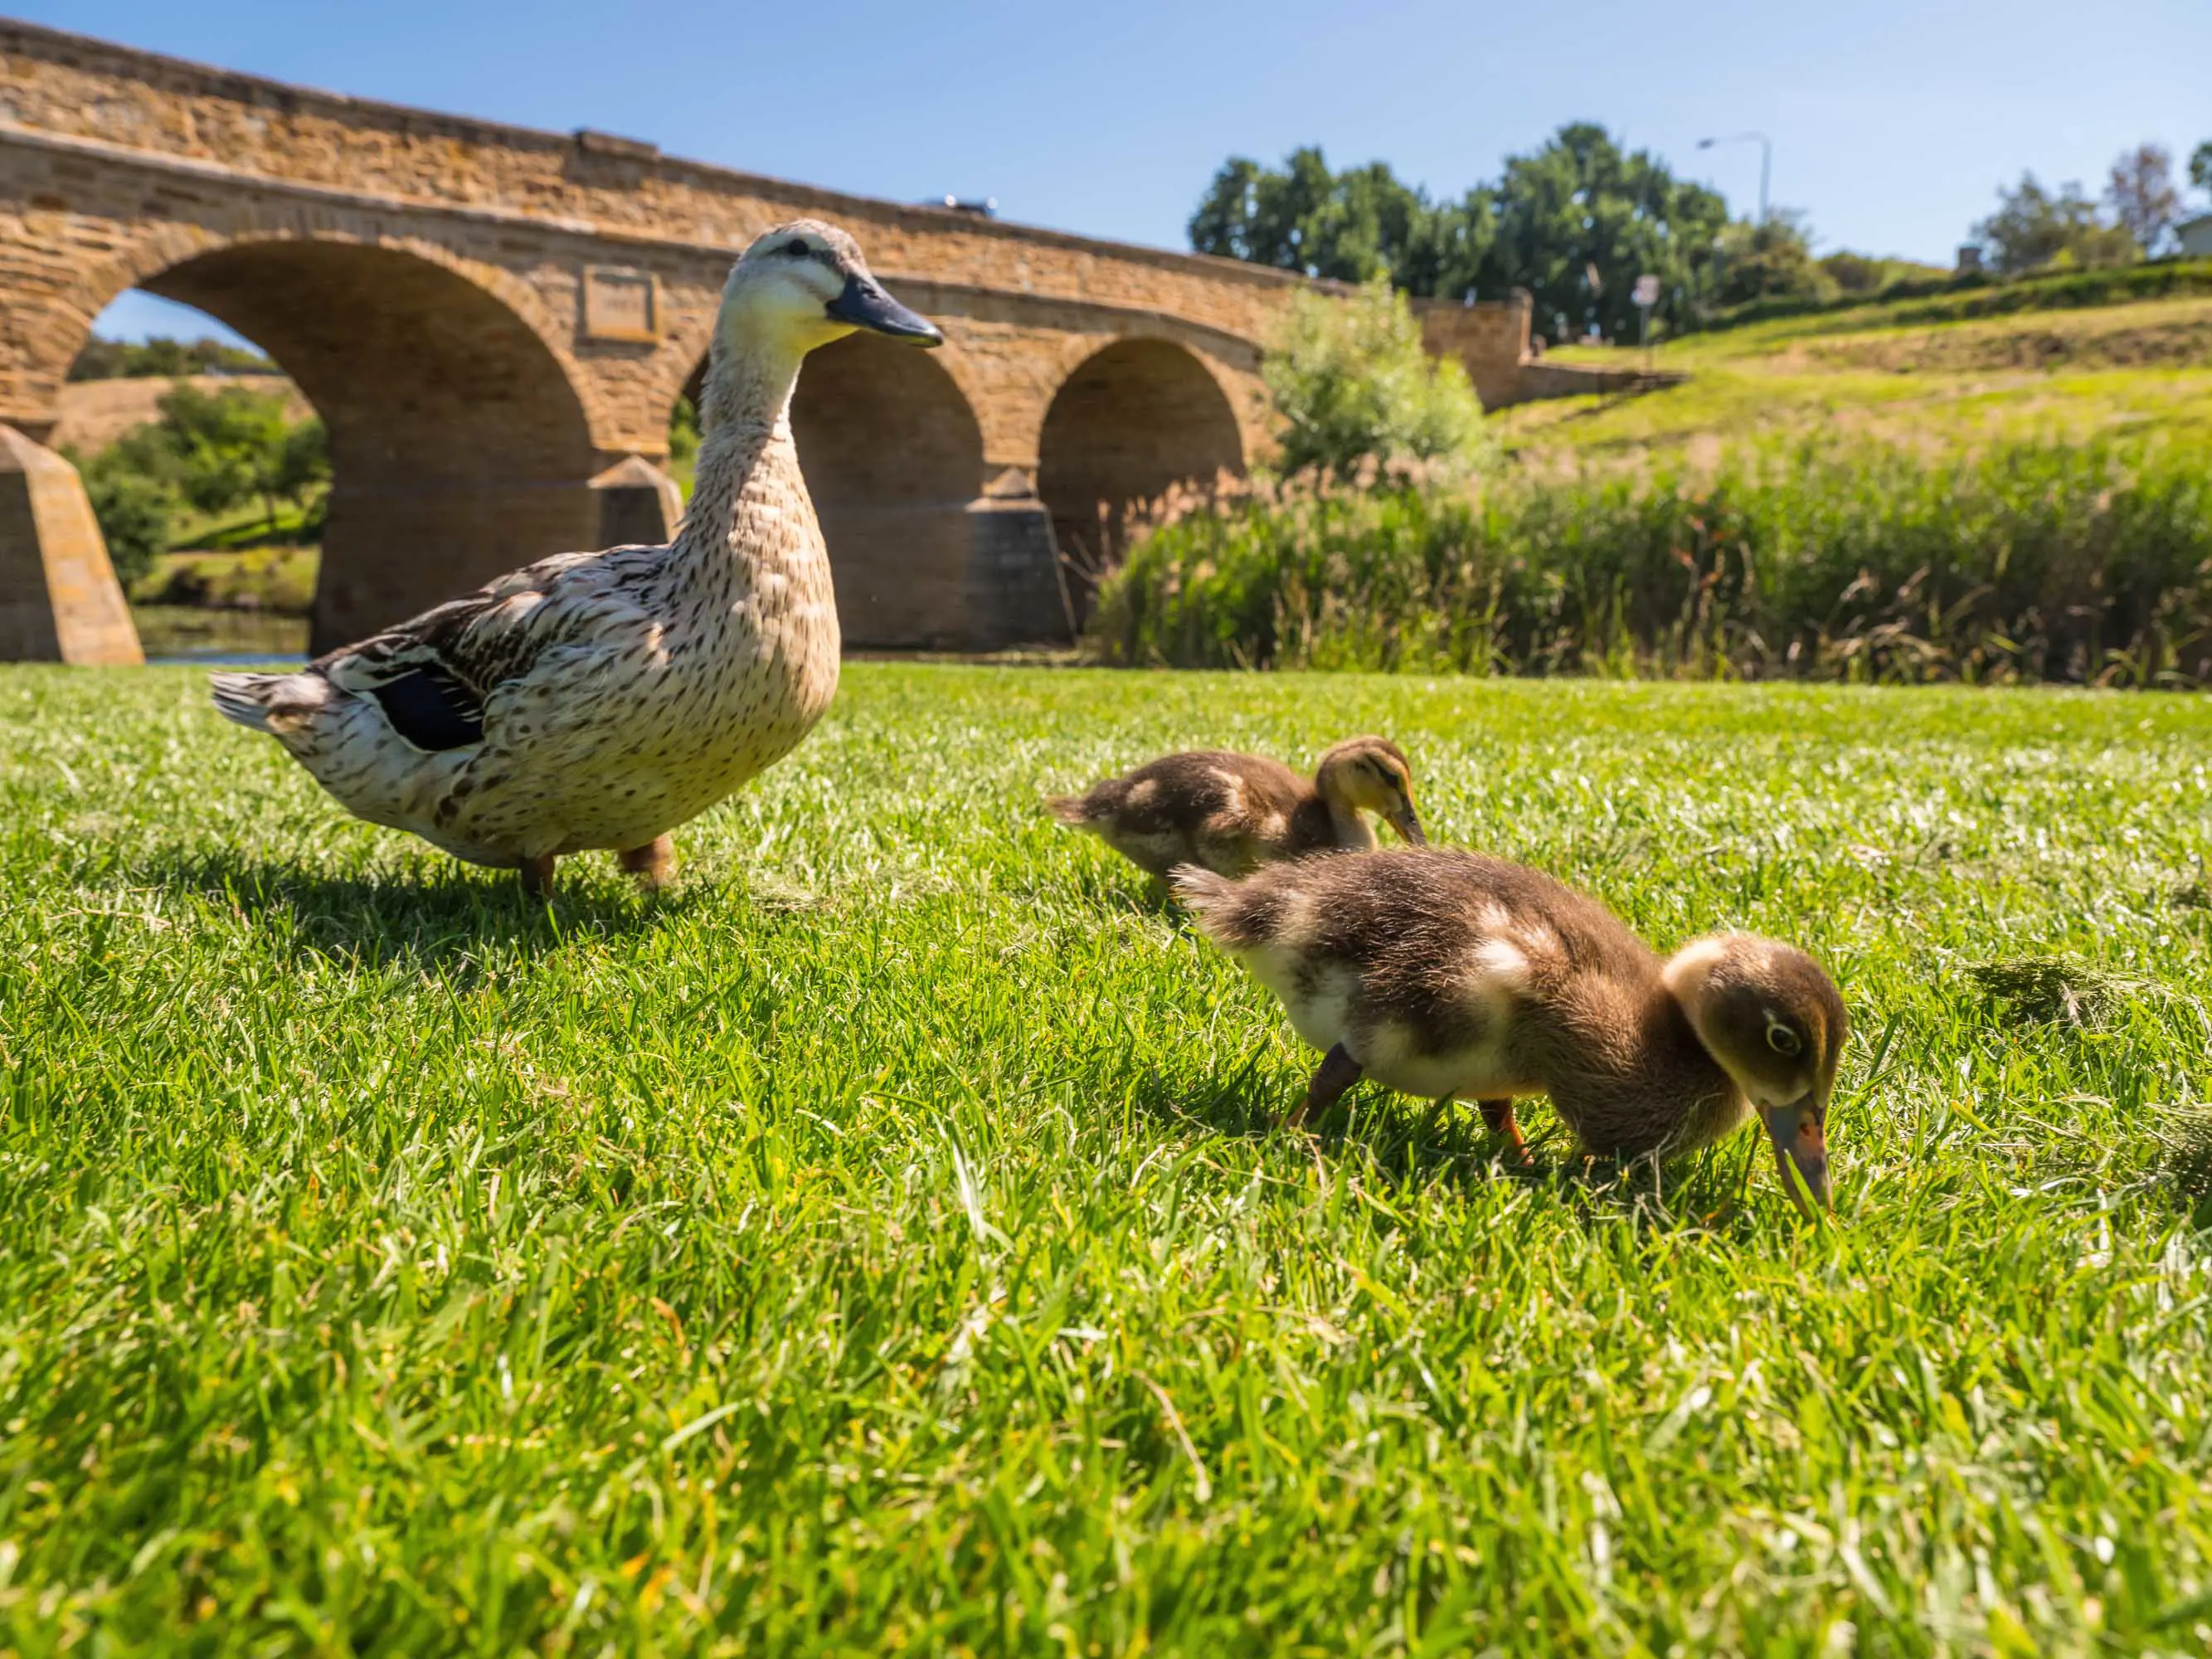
(1237, 914)
(251, 699)
(1198, 888)
(1070, 809)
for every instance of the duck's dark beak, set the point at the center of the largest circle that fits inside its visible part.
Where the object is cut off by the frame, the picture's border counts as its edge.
(1408, 823)
(865, 305)
(1801, 1151)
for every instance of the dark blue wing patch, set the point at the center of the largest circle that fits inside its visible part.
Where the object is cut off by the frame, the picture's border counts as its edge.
(433, 711)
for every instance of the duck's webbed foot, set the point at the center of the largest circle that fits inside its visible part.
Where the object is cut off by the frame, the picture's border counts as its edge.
(1337, 1073)
(652, 864)
(538, 874)
(1497, 1118)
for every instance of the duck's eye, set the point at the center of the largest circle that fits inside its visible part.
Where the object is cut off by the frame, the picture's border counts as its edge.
(1783, 1041)
(797, 250)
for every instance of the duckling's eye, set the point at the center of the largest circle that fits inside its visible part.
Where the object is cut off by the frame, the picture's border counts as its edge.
(797, 249)
(1783, 1041)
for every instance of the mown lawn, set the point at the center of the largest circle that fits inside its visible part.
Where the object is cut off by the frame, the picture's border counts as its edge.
(873, 1244)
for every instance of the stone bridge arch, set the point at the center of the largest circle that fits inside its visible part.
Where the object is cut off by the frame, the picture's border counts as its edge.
(569, 280)
(1132, 421)
(460, 446)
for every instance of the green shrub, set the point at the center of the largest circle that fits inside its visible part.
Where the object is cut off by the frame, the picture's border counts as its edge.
(213, 452)
(2029, 562)
(1356, 394)
(134, 511)
(1771, 260)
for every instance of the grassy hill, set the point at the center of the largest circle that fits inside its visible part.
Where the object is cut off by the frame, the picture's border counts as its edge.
(1896, 374)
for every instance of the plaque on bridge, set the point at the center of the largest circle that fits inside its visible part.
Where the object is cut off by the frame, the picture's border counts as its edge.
(621, 304)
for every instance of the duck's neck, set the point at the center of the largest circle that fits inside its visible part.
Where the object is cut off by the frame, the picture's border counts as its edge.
(744, 418)
(1348, 827)
(1640, 1081)
(1687, 1086)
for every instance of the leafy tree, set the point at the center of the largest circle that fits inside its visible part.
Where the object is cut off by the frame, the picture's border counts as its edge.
(303, 462)
(2200, 166)
(1575, 223)
(133, 508)
(2034, 228)
(2142, 196)
(213, 451)
(1776, 258)
(229, 445)
(1356, 391)
(1578, 222)
(1352, 226)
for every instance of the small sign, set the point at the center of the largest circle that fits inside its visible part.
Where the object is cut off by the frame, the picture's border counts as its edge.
(1647, 291)
(621, 304)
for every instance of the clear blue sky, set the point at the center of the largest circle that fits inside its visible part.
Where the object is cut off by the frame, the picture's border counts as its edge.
(1893, 121)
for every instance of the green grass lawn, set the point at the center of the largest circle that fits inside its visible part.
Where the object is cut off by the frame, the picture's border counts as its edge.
(873, 1245)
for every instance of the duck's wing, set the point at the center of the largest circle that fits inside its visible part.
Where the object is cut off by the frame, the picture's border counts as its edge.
(433, 674)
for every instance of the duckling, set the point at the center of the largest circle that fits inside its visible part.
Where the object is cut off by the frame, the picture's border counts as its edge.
(599, 700)
(1452, 975)
(1232, 813)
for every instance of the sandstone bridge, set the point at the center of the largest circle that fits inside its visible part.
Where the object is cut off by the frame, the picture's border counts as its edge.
(496, 324)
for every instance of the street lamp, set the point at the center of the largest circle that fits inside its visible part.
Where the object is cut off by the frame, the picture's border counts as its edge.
(1765, 159)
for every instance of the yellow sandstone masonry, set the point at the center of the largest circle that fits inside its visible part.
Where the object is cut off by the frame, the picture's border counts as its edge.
(488, 317)
(59, 601)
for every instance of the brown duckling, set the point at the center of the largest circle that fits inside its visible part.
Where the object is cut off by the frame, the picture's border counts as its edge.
(1232, 813)
(1451, 975)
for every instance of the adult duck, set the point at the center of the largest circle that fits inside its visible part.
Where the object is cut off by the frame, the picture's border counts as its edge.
(599, 700)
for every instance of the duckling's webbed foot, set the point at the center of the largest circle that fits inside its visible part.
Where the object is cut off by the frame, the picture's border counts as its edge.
(1337, 1073)
(652, 864)
(1497, 1118)
(537, 875)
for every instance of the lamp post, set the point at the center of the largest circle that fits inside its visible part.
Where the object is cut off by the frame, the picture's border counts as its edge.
(1765, 159)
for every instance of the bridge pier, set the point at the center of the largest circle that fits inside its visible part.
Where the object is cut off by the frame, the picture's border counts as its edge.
(979, 575)
(395, 544)
(59, 601)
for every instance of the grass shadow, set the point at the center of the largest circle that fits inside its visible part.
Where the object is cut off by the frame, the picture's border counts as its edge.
(1407, 1139)
(1106, 891)
(459, 916)
(1416, 1142)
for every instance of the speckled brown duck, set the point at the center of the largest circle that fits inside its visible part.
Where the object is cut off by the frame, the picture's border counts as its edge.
(1232, 813)
(599, 700)
(1451, 975)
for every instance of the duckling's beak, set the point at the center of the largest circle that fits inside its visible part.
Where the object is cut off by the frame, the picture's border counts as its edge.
(865, 305)
(1408, 823)
(1801, 1151)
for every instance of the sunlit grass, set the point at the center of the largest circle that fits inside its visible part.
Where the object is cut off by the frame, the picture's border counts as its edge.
(873, 1245)
(2069, 376)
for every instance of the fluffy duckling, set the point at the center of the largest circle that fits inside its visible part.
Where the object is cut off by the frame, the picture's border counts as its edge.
(1449, 975)
(1232, 813)
(599, 700)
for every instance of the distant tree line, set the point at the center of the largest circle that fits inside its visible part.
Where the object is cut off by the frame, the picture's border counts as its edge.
(164, 359)
(2037, 229)
(1575, 222)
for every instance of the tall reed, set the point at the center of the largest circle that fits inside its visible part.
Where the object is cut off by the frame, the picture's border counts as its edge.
(2088, 563)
